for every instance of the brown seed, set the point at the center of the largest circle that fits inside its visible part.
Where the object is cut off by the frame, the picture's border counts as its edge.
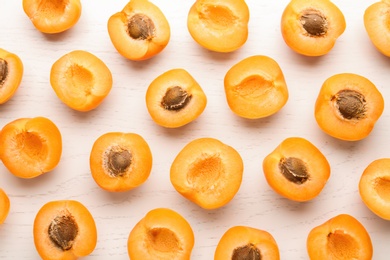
(141, 27)
(247, 252)
(294, 169)
(175, 98)
(350, 103)
(314, 23)
(63, 231)
(117, 161)
(3, 71)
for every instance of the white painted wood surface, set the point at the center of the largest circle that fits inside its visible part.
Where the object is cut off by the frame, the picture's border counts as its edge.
(256, 204)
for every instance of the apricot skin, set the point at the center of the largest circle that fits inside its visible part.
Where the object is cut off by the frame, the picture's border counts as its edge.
(12, 73)
(4, 206)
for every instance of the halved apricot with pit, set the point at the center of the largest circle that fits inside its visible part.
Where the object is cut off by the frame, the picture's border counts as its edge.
(241, 242)
(11, 73)
(140, 31)
(220, 26)
(348, 106)
(174, 99)
(81, 80)
(207, 172)
(53, 16)
(4, 206)
(120, 161)
(255, 87)
(162, 234)
(64, 229)
(341, 237)
(311, 28)
(30, 146)
(296, 169)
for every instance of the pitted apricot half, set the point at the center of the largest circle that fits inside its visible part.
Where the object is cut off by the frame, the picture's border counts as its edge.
(81, 80)
(162, 234)
(220, 26)
(64, 229)
(348, 106)
(296, 169)
(11, 73)
(4, 206)
(241, 242)
(140, 31)
(310, 27)
(341, 237)
(207, 172)
(30, 146)
(53, 16)
(120, 161)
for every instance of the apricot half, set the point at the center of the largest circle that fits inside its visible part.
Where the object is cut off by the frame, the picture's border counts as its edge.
(255, 87)
(207, 172)
(219, 25)
(53, 16)
(81, 80)
(162, 234)
(296, 169)
(348, 106)
(30, 146)
(310, 27)
(64, 229)
(140, 31)
(341, 237)
(4, 206)
(241, 242)
(120, 161)
(175, 98)
(11, 73)
(374, 187)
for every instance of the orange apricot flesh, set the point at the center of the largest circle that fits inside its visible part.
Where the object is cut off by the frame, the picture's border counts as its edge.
(11, 73)
(4, 206)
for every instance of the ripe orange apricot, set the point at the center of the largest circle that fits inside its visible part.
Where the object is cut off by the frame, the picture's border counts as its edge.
(241, 242)
(174, 99)
(4, 206)
(219, 25)
(52, 16)
(341, 237)
(310, 27)
(255, 87)
(140, 31)
(348, 106)
(81, 80)
(120, 161)
(207, 172)
(162, 234)
(11, 73)
(64, 229)
(296, 169)
(30, 146)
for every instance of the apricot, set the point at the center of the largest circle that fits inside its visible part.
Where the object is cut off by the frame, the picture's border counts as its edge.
(219, 25)
(64, 229)
(11, 73)
(376, 22)
(311, 28)
(296, 169)
(4, 206)
(341, 237)
(140, 31)
(348, 106)
(30, 146)
(81, 80)
(207, 172)
(242, 242)
(175, 98)
(53, 16)
(161, 234)
(255, 87)
(120, 161)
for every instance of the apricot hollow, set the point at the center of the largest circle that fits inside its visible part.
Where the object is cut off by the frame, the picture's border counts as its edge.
(81, 80)
(140, 31)
(53, 16)
(175, 98)
(64, 229)
(242, 242)
(11, 74)
(341, 237)
(120, 161)
(4, 206)
(207, 172)
(255, 87)
(161, 234)
(348, 106)
(219, 25)
(296, 169)
(30, 146)
(310, 27)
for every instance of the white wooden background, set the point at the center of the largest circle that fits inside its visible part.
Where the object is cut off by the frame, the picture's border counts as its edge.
(124, 109)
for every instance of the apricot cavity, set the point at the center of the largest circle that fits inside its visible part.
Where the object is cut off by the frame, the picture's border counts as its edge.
(11, 73)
